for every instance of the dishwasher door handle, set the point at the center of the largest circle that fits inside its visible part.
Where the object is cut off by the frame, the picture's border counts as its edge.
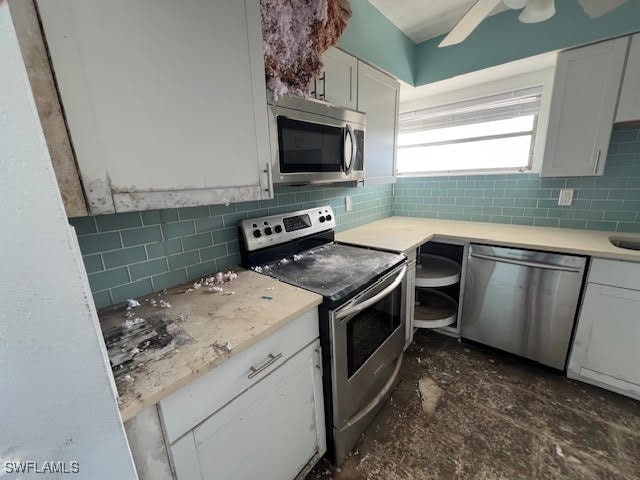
(525, 263)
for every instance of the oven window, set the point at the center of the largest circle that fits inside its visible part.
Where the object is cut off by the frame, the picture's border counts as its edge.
(309, 147)
(371, 328)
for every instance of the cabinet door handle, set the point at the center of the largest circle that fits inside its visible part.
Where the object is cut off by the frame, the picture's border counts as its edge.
(271, 359)
(269, 173)
(323, 95)
(315, 88)
(597, 162)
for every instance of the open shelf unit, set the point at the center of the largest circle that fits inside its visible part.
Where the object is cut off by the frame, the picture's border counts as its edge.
(434, 309)
(435, 271)
(438, 285)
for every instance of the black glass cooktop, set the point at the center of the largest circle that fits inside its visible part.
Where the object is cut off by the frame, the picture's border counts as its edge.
(334, 271)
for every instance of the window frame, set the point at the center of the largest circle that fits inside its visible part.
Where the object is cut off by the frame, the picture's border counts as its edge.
(477, 86)
(477, 171)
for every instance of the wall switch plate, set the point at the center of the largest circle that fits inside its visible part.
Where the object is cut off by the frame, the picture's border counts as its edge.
(348, 204)
(566, 197)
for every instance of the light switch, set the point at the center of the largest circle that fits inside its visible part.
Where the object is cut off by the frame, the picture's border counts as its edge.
(566, 197)
(348, 204)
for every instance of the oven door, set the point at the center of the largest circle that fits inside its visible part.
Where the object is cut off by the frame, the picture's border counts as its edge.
(367, 341)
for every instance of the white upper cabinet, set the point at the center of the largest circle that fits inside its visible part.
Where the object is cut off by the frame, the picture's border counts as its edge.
(165, 102)
(378, 97)
(338, 82)
(629, 104)
(583, 105)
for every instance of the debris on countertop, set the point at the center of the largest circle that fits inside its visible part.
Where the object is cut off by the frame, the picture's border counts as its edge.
(213, 284)
(164, 341)
(132, 303)
(164, 304)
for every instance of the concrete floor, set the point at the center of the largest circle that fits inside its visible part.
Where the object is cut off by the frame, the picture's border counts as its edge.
(486, 415)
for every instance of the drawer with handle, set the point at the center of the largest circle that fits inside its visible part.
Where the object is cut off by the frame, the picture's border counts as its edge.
(615, 273)
(186, 408)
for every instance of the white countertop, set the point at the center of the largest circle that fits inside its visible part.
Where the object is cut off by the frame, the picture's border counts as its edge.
(400, 234)
(213, 327)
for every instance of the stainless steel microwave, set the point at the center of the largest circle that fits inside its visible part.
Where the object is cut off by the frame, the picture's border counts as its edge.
(315, 142)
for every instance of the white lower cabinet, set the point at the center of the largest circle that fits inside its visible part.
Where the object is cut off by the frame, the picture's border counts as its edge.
(606, 345)
(260, 414)
(411, 296)
(269, 432)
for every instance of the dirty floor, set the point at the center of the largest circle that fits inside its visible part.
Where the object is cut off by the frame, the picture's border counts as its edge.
(464, 412)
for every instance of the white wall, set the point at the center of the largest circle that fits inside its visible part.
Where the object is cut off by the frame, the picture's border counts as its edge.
(57, 397)
(519, 74)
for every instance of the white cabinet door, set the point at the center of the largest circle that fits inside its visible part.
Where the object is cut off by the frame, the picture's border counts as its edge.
(192, 404)
(605, 349)
(583, 105)
(411, 297)
(165, 101)
(339, 80)
(271, 432)
(629, 104)
(378, 97)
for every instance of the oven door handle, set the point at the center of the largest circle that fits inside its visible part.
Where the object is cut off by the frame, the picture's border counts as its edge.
(376, 400)
(361, 306)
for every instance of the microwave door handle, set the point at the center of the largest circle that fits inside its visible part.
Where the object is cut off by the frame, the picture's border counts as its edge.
(361, 306)
(354, 149)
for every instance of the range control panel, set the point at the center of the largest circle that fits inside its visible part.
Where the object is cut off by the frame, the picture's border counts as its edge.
(275, 229)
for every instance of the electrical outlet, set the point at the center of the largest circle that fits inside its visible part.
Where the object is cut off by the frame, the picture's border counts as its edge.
(348, 204)
(566, 197)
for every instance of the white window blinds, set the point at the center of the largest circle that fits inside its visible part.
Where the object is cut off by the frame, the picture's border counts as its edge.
(496, 107)
(494, 133)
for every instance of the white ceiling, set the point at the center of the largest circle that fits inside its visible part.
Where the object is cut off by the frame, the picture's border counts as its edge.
(421, 20)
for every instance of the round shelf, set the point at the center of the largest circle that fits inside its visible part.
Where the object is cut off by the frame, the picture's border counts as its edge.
(436, 271)
(434, 309)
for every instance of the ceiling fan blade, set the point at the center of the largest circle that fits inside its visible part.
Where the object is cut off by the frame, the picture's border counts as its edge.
(598, 8)
(538, 11)
(468, 23)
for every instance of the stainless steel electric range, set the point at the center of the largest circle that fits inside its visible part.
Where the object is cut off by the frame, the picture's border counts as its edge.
(362, 317)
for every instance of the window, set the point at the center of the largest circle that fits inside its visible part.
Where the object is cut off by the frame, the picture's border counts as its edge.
(495, 133)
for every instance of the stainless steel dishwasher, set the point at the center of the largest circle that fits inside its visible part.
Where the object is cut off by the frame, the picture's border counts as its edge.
(522, 301)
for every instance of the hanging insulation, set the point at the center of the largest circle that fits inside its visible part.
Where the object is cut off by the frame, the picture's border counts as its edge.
(296, 33)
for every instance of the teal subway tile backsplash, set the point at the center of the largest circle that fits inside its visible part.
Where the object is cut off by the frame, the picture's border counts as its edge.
(610, 202)
(124, 256)
(132, 254)
(118, 221)
(99, 242)
(140, 236)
